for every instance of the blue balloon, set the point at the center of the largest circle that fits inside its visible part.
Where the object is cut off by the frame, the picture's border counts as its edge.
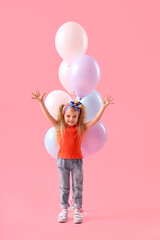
(50, 144)
(93, 103)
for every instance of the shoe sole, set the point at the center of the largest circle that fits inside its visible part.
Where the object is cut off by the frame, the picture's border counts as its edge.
(78, 222)
(62, 221)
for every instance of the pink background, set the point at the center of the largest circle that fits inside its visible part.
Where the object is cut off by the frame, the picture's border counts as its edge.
(122, 181)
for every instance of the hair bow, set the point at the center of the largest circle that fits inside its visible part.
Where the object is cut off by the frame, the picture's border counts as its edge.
(77, 106)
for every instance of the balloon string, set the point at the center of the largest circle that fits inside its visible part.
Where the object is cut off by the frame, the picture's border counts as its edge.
(74, 96)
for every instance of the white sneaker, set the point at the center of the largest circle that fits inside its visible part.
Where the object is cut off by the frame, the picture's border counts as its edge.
(63, 216)
(77, 216)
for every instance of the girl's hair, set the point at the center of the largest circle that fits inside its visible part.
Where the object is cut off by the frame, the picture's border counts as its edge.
(61, 124)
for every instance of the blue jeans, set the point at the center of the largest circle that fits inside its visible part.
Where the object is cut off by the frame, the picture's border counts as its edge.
(76, 168)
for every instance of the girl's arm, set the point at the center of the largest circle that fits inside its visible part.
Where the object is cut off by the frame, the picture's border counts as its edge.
(93, 121)
(39, 97)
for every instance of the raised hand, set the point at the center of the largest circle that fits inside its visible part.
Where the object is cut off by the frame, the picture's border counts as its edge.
(107, 101)
(37, 95)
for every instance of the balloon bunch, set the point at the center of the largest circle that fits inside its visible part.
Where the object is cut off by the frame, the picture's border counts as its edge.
(79, 74)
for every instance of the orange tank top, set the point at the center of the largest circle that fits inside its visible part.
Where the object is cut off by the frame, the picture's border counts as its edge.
(70, 144)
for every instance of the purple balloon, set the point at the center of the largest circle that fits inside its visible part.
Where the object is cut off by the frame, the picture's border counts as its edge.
(84, 75)
(94, 139)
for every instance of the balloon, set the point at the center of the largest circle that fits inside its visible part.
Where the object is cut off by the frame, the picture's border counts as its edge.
(93, 103)
(84, 75)
(63, 76)
(49, 141)
(54, 99)
(94, 139)
(71, 41)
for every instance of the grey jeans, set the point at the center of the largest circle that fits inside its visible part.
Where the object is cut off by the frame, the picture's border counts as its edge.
(75, 166)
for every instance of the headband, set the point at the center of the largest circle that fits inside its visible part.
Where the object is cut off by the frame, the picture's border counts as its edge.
(77, 106)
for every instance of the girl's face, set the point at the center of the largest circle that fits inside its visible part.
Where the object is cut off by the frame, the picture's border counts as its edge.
(71, 116)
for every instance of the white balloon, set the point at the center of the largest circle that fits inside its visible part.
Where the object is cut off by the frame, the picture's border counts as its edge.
(71, 41)
(50, 142)
(55, 99)
(63, 76)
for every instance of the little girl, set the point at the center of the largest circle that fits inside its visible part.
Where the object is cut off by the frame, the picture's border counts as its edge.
(70, 128)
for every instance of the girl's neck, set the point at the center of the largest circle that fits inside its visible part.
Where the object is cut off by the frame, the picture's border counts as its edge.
(73, 125)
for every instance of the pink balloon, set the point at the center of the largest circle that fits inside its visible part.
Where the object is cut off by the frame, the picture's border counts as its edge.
(63, 76)
(94, 140)
(54, 99)
(71, 41)
(84, 75)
